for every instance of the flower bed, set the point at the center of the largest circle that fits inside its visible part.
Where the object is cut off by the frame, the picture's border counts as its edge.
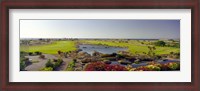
(151, 66)
(100, 66)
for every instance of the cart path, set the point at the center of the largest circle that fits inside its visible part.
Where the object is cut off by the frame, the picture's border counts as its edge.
(41, 64)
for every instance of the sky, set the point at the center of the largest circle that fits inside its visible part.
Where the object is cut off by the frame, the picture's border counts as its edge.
(100, 28)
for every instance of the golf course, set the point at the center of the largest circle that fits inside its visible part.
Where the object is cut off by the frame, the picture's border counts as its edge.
(133, 46)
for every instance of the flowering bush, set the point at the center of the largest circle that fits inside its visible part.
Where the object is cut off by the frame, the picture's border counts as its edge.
(71, 66)
(148, 68)
(173, 65)
(164, 67)
(142, 68)
(154, 63)
(153, 66)
(47, 69)
(100, 66)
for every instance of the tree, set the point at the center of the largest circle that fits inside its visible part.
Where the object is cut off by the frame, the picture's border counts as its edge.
(22, 65)
(151, 50)
(160, 43)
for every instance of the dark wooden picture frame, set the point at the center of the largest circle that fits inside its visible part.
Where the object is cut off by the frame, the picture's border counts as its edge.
(97, 4)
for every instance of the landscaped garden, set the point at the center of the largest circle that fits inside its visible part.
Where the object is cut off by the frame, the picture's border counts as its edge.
(99, 55)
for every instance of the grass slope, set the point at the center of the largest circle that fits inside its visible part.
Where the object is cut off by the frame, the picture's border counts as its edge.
(64, 46)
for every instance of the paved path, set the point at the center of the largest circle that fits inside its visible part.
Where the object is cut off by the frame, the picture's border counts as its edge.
(64, 64)
(41, 64)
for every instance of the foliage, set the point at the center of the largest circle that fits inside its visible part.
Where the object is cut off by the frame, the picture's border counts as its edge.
(42, 56)
(129, 68)
(100, 66)
(47, 69)
(173, 66)
(119, 56)
(160, 43)
(23, 54)
(74, 60)
(177, 45)
(151, 52)
(38, 53)
(59, 52)
(23, 61)
(49, 63)
(71, 66)
(174, 55)
(137, 62)
(53, 64)
(30, 53)
(153, 66)
(22, 65)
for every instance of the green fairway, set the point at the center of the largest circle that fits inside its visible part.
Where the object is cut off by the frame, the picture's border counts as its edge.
(133, 46)
(64, 46)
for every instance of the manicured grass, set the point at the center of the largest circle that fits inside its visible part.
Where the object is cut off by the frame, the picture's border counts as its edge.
(64, 46)
(133, 46)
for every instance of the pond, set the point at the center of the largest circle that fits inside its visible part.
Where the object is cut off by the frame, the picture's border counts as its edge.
(100, 48)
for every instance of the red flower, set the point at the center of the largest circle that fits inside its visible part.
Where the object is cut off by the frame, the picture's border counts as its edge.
(101, 66)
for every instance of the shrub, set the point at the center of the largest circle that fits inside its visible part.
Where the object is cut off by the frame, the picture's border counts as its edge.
(111, 58)
(153, 68)
(137, 62)
(158, 57)
(38, 53)
(142, 68)
(42, 56)
(164, 67)
(55, 60)
(148, 68)
(56, 65)
(70, 66)
(74, 60)
(109, 55)
(87, 60)
(113, 54)
(160, 43)
(119, 56)
(59, 52)
(49, 64)
(107, 62)
(173, 66)
(47, 69)
(22, 65)
(59, 61)
(154, 63)
(100, 66)
(30, 53)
